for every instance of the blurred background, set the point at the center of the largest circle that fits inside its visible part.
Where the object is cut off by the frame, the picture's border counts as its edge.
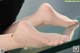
(71, 10)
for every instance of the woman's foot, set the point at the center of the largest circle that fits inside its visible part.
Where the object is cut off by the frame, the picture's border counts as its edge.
(27, 36)
(47, 15)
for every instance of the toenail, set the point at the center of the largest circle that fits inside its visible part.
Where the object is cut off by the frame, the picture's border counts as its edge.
(76, 21)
